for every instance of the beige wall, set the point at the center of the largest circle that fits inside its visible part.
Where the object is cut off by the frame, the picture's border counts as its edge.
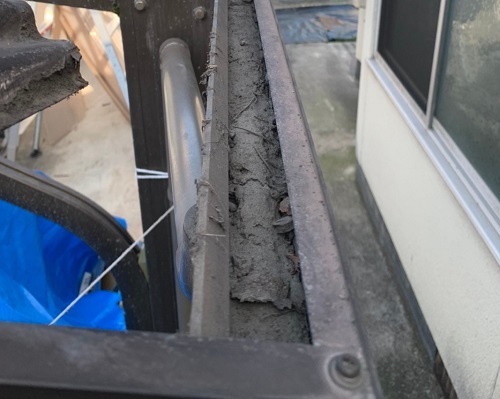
(455, 278)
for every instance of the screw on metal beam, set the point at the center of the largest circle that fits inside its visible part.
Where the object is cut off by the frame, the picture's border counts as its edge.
(140, 5)
(200, 13)
(345, 369)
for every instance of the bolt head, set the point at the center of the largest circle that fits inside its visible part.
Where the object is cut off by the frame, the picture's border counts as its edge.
(140, 5)
(348, 366)
(200, 13)
(345, 370)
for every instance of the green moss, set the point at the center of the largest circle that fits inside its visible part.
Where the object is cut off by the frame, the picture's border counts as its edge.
(339, 164)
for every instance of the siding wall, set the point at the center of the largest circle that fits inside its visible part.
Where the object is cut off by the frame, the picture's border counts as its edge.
(454, 276)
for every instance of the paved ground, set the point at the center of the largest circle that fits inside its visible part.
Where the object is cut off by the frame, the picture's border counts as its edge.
(324, 74)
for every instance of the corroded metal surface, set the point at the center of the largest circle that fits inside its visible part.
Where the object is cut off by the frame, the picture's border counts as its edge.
(210, 250)
(331, 315)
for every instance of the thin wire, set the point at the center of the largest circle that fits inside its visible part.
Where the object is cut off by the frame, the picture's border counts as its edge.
(151, 177)
(150, 171)
(150, 174)
(110, 267)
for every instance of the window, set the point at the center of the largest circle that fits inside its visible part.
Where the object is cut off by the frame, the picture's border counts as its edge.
(468, 97)
(406, 41)
(465, 97)
(445, 55)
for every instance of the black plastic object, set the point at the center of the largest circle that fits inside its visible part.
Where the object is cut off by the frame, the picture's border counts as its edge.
(95, 226)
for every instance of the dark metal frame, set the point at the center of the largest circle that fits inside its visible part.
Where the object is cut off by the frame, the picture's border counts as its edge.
(46, 362)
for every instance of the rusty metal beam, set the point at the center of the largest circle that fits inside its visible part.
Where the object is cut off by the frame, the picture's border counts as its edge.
(210, 250)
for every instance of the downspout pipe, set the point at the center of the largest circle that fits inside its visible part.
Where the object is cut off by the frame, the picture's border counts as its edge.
(184, 114)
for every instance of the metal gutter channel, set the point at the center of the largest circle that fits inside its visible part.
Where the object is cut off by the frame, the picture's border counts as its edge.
(331, 315)
(210, 249)
(330, 310)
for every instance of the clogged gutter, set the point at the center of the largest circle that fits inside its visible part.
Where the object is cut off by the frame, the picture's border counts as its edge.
(267, 298)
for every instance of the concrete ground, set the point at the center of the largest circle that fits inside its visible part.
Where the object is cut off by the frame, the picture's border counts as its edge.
(324, 73)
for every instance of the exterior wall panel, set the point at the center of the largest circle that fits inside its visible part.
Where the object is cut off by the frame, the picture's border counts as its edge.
(454, 276)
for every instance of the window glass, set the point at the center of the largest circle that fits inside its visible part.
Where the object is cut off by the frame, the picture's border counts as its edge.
(468, 102)
(406, 41)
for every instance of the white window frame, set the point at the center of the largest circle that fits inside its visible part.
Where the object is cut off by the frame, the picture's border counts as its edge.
(470, 190)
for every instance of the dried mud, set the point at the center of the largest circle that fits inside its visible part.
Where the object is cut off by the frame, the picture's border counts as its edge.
(266, 289)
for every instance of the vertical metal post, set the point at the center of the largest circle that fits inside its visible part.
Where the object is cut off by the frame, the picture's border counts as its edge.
(143, 31)
(38, 133)
(12, 134)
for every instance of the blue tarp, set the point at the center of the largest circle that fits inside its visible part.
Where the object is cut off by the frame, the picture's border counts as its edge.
(318, 24)
(41, 271)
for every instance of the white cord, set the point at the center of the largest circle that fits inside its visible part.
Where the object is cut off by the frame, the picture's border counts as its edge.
(142, 174)
(109, 268)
